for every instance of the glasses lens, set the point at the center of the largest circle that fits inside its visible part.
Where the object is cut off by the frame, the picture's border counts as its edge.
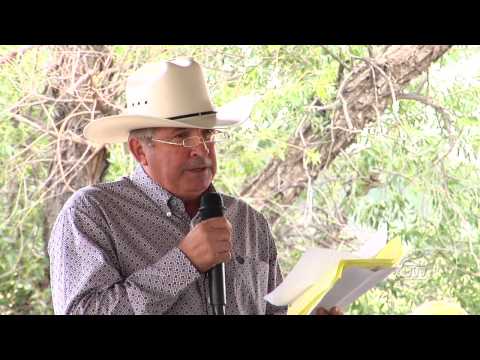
(219, 137)
(210, 138)
(192, 141)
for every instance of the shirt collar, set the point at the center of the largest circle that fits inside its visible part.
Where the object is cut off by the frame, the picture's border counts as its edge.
(157, 193)
(152, 189)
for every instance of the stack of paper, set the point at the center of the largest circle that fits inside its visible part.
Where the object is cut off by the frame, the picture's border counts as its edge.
(326, 278)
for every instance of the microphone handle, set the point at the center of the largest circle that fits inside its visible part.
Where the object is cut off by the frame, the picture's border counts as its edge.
(211, 205)
(217, 289)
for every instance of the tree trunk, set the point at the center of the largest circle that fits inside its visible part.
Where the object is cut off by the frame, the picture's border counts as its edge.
(75, 88)
(363, 95)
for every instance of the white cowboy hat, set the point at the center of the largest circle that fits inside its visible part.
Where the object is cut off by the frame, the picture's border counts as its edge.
(168, 94)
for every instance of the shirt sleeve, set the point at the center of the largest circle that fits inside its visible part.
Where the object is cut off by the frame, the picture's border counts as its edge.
(85, 275)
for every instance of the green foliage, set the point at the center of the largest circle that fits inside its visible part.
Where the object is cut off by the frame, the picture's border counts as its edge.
(410, 170)
(426, 189)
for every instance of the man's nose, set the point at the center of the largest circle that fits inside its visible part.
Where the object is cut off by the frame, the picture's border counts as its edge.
(201, 148)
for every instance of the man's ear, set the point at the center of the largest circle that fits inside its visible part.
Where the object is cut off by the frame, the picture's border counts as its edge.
(138, 151)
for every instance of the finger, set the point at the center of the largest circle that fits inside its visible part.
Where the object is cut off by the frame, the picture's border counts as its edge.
(223, 246)
(224, 256)
(229, 225)
(220, 224)
(212, 224)
(228, 239)
(336, 311)
(208, 222)
(220, 236)
(214, 236)
(218, 233)
(216, 222)
(322, 311)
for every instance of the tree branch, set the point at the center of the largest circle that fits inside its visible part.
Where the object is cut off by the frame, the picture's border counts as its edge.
(13, 55)
(363, 101)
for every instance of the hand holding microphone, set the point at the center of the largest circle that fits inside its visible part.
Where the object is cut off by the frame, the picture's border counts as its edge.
(209, 245)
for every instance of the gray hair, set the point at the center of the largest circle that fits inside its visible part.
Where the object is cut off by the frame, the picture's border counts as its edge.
(145, 136)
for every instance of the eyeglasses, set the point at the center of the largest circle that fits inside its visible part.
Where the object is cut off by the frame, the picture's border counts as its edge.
(193, 141)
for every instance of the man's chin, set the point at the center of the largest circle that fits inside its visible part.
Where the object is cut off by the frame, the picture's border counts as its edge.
(194, 193)
(200, 181)
(200, 175)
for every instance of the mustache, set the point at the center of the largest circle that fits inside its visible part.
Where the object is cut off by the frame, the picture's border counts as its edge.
(198, 163)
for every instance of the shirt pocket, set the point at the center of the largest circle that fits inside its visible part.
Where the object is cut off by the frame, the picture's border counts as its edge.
(250, 285)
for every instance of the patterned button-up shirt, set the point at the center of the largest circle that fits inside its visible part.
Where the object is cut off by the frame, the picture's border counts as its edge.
(113, 250)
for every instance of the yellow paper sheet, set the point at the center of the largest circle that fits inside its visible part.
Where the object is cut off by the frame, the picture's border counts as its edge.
(387, 257)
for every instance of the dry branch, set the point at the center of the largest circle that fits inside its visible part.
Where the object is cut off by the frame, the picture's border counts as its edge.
(362, 98)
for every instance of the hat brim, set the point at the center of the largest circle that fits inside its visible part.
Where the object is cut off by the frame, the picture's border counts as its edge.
(116, 129)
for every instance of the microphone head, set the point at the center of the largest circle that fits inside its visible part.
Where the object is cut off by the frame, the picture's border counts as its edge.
(211, 205)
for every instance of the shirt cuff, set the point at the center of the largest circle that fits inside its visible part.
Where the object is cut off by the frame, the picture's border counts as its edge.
(180, 270)
(185, 261)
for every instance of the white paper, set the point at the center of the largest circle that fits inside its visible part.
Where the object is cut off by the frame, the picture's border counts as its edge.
(313, 264)
(375, 241)
(317, 262)
(355, 282)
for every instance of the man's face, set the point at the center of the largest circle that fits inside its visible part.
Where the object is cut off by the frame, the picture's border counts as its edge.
(185, 172)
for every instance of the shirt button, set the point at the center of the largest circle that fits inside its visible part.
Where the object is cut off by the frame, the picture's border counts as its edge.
(169, 214)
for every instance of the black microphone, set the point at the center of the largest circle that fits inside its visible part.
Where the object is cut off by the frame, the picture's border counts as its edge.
(211, 205)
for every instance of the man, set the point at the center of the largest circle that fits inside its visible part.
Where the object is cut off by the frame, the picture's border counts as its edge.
(137, 245)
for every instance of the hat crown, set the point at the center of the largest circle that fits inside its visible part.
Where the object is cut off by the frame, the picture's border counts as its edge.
(168, 89)
(168, 94)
